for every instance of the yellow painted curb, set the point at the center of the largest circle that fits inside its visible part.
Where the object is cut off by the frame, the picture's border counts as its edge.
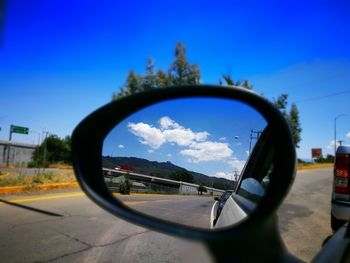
(22, 188)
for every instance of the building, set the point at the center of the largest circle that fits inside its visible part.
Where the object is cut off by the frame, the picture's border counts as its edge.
(15, 153)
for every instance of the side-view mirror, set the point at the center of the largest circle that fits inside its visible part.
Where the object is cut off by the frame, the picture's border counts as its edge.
(156, 158)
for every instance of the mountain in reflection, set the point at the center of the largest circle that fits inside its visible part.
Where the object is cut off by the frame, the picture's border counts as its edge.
(162, 169)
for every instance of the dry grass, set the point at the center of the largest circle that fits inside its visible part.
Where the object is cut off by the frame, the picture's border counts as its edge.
(309, 166)
(32, 181)
(4, 166)
(61, 166)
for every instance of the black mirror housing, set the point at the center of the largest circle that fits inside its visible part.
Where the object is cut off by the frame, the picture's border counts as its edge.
(87, 140)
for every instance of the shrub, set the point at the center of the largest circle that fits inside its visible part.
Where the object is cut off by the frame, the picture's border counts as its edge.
(125, 186)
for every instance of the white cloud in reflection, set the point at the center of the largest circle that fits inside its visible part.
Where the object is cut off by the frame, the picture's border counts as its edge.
(197, 147)
(208, 151)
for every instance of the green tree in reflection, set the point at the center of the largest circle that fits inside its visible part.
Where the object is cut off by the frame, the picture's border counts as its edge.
(182, 175)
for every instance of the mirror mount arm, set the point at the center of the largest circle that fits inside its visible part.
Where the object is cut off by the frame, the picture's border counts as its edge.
(265, 244)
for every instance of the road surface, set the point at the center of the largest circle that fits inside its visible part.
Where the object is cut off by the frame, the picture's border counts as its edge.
(304, 217)
(188, 210)
(79, 231)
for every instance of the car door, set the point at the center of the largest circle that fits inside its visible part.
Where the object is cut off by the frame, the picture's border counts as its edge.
(252, 183)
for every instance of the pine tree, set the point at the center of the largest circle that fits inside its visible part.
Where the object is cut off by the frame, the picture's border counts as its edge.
(149, 80)
(181, 72)
(294, 125)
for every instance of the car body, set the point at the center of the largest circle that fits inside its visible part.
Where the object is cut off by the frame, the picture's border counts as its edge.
(237, 204)
(219, 205)
(340, 208)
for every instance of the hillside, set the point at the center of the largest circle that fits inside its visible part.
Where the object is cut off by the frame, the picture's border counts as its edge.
(162, 169)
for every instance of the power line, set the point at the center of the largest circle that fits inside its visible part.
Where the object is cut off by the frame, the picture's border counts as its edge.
(323, 96)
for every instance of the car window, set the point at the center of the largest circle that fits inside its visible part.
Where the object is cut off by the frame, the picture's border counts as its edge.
(253, 185)
(225, 195)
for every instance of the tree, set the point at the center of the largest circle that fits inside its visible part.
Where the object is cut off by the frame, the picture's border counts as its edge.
(149, 80)
(328, 159)
(229, 80)
(281, 104)
(222, 186)
(181, 72)
(182, 175)
(292, 117)
(125, 186)
(246, 85)
(133, 84)
(294, 124)
(201, 189)
(162, 79)
(52, 150)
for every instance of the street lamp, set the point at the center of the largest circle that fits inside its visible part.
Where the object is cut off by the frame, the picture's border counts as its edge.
(335, 132)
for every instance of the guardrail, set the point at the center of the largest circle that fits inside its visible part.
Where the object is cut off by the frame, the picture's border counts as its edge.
(184, 187)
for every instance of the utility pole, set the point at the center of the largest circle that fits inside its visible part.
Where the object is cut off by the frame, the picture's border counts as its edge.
(254, 135)
(38, 133)
(1, 118)
(335, 132)
(45, 145)
(8, 147)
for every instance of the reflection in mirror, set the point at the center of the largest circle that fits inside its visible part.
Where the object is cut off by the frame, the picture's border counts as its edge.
(184, 161)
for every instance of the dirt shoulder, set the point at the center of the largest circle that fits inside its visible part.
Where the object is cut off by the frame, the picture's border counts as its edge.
(16, 180)
(314, 166)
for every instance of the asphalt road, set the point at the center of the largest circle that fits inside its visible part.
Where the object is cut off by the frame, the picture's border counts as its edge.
(304, 217)
(188, 210)
(80, 231)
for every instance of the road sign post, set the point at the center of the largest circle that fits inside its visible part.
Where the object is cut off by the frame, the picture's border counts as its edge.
(15, 129)
(19, 129)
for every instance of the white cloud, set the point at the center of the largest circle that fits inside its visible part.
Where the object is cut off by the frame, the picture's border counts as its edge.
(169, 155)
(184, 137)
(147, 134)
(208, 151)
(198, 148)
(348, 135)
(247, 152)
(165, 123)
(170, 132)
(330, 146)
(150, 151)
(236, 164)
(222, 139)
(121, 146)
(228, 176)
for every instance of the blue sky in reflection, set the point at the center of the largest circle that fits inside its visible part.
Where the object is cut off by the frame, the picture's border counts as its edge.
(210, 136)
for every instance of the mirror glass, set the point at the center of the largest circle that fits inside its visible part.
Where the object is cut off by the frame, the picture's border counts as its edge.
(192, 161)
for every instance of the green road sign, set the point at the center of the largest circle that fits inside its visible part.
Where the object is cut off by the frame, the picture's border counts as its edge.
(19, 129)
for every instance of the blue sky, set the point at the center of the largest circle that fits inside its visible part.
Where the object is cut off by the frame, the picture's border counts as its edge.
(61, 60)
(211, 136)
